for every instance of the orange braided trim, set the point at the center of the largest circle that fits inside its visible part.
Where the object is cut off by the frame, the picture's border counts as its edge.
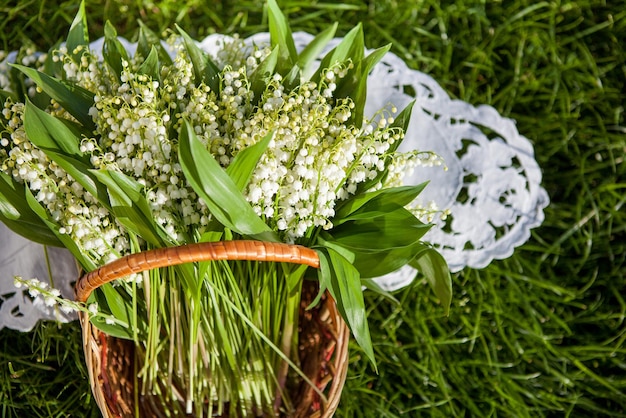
(205, 251)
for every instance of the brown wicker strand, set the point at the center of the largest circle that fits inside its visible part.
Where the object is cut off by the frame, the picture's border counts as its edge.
(205, 251)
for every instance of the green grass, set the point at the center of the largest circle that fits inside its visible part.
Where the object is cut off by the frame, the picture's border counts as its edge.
(539, 334)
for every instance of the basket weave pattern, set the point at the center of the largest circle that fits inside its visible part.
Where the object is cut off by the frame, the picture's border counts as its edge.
(323, 334)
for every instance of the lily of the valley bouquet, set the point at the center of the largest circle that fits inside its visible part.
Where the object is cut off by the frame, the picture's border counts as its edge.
(115, 155)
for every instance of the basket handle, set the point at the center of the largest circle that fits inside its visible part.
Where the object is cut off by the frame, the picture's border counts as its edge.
(204, 251)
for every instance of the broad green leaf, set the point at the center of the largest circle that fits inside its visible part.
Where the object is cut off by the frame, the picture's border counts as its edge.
(217, 189)
(148, 40)
(325, 240)
(130, 206)
(211, 236)
(113, 51)
(354, 85)
(386, 261)
(32, 231)
(151, 66)
(12, 197)
(20, 86)
(435, 269)
(280, 34)
(212, 76)
(16, 214)
(101, 296)
(78, 34)
(60, 141)
(241, 168)
(258, 79)
(75, 99)
(116, 303)
(114, 330)
(49, 133)
(292, 78)
(198, 56)
(7, 210)
(344, 284)
(205, 70)
(396, 229)
(372, 285)
(352, 48)
(313, 50)
(376, 203)
(374, 262)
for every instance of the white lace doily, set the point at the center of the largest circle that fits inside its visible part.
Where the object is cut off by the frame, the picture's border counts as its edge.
(492, 186)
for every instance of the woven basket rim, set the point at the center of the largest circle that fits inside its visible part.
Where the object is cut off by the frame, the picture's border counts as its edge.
(204, 251)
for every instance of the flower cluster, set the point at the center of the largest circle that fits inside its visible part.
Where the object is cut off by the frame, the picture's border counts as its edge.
(37, 288)
(77, 212)
(51, 297)
(315, 159)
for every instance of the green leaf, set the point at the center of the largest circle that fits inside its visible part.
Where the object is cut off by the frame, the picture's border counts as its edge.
(49, 133)
(7, 210)
(110, 302)
(313, 50)
(113, 51)
(396, 229)
(325, 240)
(75, 99)
(352, 47)
(130, 206)
(60, 140)
(16, 214)
(344, 284)
(281, 36)
(382, 235)
(35, 232)
(148, 40)
(217, 189)
(435, 269)
(204, 69)
(372, 285)
(354, 85)
(292, 78)
(260, 76)
(376, 203)
(241, 168)
(78, 34)
(114, 330)
(116, 303)
(151, 66)
(386, 261)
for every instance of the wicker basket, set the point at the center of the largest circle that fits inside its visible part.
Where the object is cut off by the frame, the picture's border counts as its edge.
(323, 333)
